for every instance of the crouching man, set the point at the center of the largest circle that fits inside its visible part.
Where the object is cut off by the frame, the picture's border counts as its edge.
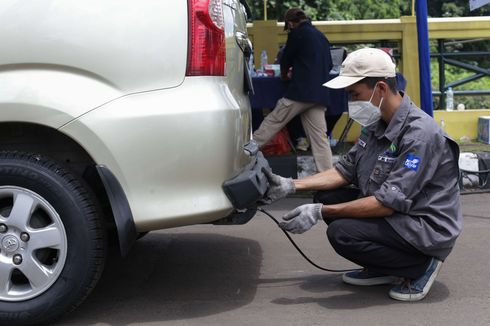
(403, 216)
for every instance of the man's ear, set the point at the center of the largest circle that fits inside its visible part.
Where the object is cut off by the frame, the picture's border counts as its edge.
(383, 87)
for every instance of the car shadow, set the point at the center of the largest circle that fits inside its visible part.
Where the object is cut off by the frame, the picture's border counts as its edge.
(172, 277)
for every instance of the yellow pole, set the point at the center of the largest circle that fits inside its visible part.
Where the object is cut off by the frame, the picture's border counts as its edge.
(265, 9)
(410, 56)
(413, 7)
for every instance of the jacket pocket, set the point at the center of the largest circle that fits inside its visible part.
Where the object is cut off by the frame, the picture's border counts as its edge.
(380, 173)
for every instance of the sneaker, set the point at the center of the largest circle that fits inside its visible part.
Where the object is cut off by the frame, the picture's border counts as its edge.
(365, 278)
(415, 290)
(302, 144)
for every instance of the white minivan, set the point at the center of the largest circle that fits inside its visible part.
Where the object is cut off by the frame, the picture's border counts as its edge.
(117, 117)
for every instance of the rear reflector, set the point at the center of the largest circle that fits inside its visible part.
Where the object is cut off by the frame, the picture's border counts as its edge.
(206, 50)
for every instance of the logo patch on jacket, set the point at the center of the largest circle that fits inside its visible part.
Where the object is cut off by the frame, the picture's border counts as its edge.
(362, 143)
(412, 162)
(392, 149)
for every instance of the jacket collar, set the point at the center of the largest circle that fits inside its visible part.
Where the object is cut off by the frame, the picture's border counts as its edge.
(397, 122)
(301, 25)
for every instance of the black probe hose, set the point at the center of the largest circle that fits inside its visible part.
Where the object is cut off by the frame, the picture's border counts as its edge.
(301, 252)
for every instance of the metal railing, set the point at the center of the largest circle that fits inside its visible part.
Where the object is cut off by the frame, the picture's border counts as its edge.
(445, 58)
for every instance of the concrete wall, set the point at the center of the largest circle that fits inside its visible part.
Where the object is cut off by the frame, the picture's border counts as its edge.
(458, 124)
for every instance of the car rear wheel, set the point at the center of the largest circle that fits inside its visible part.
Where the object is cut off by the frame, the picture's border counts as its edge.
(52, 245)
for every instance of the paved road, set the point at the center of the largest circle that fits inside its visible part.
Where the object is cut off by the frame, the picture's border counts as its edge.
(251, 275)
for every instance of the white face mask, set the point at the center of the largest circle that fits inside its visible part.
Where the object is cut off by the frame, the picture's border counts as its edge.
(364, 112)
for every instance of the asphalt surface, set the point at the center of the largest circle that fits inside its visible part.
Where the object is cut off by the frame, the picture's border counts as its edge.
(251, 275)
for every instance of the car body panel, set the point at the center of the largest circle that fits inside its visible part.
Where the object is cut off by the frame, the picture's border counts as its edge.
(170, 151)
(63, 58)
(111, 75)
(131, 47)
(49, 97)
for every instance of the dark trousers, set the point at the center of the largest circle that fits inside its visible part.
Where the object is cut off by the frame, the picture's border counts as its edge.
(371, 242)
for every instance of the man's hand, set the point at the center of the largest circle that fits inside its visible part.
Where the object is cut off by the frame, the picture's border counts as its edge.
(302, 218)
(279, 187)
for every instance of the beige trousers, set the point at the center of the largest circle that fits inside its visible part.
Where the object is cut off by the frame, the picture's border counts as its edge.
(313, 121)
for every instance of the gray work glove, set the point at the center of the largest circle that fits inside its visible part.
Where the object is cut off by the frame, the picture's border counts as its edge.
(302, 218)
(279, 187)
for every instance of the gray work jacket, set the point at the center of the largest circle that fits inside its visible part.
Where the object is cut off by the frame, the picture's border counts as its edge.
(411, 166)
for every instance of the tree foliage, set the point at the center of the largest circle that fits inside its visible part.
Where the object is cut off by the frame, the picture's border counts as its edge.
(454, 8)
(362, 9)
(333, 9)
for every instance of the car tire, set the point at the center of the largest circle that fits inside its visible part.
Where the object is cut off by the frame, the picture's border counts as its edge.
(52, 243)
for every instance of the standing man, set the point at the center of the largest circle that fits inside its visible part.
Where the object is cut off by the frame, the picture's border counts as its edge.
(402, 220)
(306, 62)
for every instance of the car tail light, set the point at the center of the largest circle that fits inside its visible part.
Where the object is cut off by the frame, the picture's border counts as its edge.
(207, 50)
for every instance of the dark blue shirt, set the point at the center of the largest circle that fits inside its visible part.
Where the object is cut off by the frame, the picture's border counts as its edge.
(401, 82)
(308, 53)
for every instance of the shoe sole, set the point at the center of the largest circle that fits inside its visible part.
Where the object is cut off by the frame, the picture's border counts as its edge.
(417, 296)
(383, 280)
